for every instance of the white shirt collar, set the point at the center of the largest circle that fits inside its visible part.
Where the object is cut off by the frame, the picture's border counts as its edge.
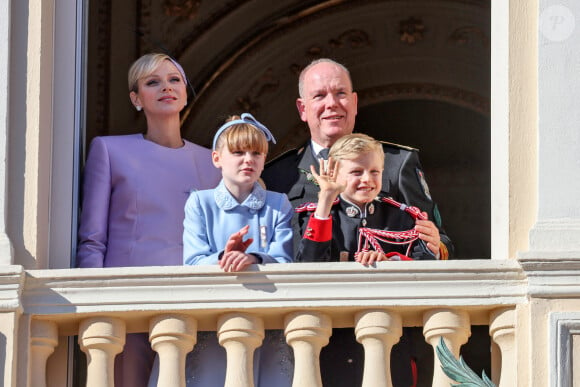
(316, 148)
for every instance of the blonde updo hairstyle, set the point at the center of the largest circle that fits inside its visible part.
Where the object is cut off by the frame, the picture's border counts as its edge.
(146, 65)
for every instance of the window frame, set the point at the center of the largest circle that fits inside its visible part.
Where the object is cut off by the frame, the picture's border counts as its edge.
(69, 112)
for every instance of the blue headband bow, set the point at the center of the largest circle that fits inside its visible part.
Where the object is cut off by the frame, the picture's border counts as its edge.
(246, 118)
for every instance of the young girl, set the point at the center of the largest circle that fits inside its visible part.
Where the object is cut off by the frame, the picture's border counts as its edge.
(217, 220)
(216, 223)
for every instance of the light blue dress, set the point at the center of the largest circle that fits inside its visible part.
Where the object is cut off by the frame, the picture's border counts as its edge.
(211, 216)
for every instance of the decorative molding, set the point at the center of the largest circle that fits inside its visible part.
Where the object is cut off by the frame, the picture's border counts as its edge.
(266, 84)
(411, 30)
(562, 326)
(183, 10)
(351, 39)
(473, 283)
(427, 91)
(551, 278)
(207, 24)
(12, 279)
(465, 35)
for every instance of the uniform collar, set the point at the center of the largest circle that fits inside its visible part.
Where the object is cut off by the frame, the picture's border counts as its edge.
(354, 211)
(226, 201)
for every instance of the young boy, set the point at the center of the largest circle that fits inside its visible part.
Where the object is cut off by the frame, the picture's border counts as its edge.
(350, 220)
(348, 223)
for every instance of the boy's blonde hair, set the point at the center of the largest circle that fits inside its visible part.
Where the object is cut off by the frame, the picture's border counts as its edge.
(242, 137)
(353, 145)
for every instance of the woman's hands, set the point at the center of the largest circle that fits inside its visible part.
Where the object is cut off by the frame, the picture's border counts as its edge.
(235, 257)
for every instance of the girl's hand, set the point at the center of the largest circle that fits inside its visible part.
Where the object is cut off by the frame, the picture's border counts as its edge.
(234, 261)
(368, 258)
(236, 241)
(429, 233)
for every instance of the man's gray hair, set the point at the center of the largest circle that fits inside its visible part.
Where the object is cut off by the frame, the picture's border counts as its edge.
(314, 63)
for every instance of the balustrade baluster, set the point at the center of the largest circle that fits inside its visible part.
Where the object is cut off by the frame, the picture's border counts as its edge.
(43, 341)
(172, 337)
(240, 334)
(307, 333)
(502, 330)
(378, 331)
(101, 338)
(454, 326)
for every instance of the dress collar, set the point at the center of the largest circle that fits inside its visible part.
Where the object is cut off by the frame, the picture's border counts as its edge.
(226, 201)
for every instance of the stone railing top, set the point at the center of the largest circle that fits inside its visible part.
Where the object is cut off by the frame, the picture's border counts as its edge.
(340, 288)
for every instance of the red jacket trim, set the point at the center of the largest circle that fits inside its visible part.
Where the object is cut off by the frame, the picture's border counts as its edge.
(318, 230)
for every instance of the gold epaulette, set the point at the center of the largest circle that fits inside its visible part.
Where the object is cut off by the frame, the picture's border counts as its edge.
(409, 148)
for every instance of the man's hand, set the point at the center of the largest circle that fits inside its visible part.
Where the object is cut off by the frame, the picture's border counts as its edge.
(429, 233)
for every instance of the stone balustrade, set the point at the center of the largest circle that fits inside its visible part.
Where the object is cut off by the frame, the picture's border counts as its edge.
(305, 300)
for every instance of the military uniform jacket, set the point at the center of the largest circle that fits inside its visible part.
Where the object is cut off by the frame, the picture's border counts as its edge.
(337, 238)
(402, 180)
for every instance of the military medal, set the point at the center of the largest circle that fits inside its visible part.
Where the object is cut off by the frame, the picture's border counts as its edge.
(351, 211)
(263, 241)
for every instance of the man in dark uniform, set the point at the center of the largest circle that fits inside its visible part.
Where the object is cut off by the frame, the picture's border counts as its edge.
(328, 104)
(329, 107)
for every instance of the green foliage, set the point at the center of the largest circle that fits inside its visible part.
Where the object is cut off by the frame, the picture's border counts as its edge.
(458, 371)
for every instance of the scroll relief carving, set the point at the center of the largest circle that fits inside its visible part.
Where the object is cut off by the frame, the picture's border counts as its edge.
(465, 35)
(411, 30)
(182, 9)
(267, 83)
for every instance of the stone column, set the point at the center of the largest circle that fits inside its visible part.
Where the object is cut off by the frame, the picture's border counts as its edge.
(240, 334)
(378, 331)
(307, 333)
(6, 254)
(172, 337)
(101, 338)
(43, 341)
(454, 327)
(502, 327)
(556, 233)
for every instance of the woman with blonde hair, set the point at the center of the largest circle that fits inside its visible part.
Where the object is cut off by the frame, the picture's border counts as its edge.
(135, 187)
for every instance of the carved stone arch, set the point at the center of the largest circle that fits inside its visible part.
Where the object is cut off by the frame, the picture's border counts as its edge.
(443, 61)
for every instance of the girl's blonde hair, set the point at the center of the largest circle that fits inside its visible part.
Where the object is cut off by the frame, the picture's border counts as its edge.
(353, 145)
(242, 137)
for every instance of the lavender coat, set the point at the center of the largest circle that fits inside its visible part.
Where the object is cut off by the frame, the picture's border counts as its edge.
(134, 193)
